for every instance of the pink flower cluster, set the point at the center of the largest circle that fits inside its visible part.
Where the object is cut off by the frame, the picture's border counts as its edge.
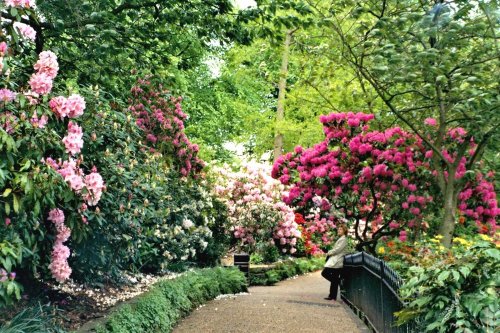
(4, 275)
(39, 122)
(317, 231)
(3, 49)
(46, 70)
(41, 83)
(25, 30)
(20, 3)
(7, 95)
(92, 183)
(73, 141)
(95, 185)
(478, 201)
(161, 117)
(60, 253)
(430, 122)
(47, 63)
(256, 212)
(70, 107)
(375, 178)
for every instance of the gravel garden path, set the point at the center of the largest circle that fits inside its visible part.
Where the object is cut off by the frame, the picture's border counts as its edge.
(294, 305)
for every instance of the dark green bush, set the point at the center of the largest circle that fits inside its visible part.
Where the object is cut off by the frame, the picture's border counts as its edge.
(159, 309)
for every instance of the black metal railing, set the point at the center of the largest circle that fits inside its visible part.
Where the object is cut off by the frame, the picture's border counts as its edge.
(370, 288)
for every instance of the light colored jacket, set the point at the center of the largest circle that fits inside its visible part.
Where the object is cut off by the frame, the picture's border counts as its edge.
(337, 254)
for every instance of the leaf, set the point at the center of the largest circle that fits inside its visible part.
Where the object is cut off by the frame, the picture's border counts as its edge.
(7, 192)
(443, 276)
(464, 270)
(18, 292)
(7, 264)
(10, 288)
(16, 203)
(493, 253)
(26, 165)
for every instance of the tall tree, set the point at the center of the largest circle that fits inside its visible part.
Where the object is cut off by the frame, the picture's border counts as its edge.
(429, 59)
(280, 109)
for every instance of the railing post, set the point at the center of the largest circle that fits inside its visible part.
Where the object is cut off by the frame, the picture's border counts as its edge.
(381, 286)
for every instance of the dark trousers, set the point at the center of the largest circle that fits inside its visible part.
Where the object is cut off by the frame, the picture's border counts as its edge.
(332, 275)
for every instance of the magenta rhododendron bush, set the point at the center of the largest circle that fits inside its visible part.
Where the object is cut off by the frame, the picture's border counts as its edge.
(160, 116)
(380, 182)
(257, 216)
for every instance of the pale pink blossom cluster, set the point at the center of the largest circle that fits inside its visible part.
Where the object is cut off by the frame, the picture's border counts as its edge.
(73, 141)
(47, 63)
(3, 52)
(3, 49)
(20, 3)
(60, 253)
(40, 83)
(39, 122)
(70, 107)
(95, 185)
(78, 181)
(46, 70)
(255, 210)
(25, 30)
(7, 95)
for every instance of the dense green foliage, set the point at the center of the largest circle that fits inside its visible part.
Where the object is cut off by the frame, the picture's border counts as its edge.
(159, 309)
(454, 292)
(267, 276)
(100, 42)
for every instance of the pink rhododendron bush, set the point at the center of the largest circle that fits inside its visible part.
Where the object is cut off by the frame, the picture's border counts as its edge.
(257, 218)
(160, 116)
(46, 187)
(381, 183)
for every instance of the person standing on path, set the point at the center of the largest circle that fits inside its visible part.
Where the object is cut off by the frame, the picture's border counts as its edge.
(335, 262)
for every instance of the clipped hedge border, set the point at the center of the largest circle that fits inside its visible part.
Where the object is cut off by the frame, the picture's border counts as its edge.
(167, 301)
(267, 276)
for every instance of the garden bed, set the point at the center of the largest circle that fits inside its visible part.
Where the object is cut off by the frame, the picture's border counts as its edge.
(78, 308)
(167, 301)
(76, 303)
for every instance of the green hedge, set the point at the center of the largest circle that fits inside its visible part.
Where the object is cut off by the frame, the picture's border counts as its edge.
(266, 276)
(159, 309)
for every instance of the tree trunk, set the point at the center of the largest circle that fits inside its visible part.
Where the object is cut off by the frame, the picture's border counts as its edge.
(450, 205)
(280, 112)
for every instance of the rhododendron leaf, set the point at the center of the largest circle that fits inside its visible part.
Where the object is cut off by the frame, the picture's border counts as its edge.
(7, 192)
(6, 263)
(26, 165)
(36, 208)
(7, 208)
(17, 291)
(16, 203)
(494, 253)
(10, 287)
(443, 276)
(13, 11)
